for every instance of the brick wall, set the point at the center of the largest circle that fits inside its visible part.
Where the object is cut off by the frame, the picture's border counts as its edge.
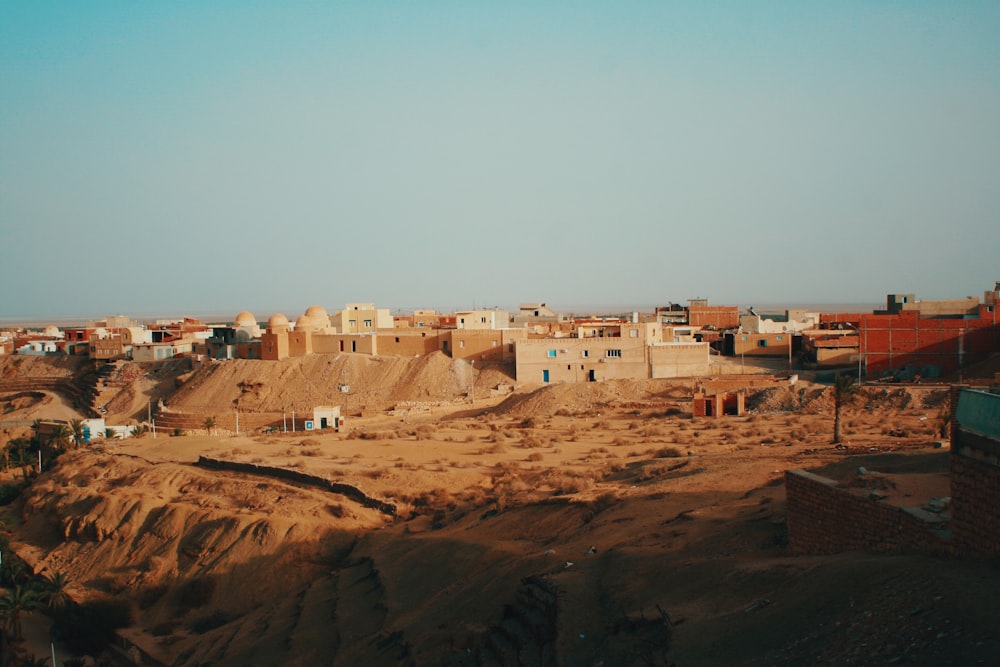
(975, 493)
(823, 519)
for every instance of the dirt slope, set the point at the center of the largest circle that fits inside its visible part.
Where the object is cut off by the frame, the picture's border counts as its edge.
(537, 533)
(304, 382)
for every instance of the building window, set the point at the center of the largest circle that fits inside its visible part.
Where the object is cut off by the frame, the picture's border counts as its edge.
(778, 338)
(613, 353)
(352, 323)
(762, 342)
(494, 344)
(461, 343)
(586, 354)
(743, 338)
(551, 353)
(368, 323)
(633, 333)
(484, 320)
(569, 367)
(397, 339)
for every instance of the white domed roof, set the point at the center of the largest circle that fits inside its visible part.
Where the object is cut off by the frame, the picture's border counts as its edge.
(52, 331)
(277, 320)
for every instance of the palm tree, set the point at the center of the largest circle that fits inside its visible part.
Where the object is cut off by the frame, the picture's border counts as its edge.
(19, 600)
(209, 423)
(13, 572)
(56, 595)
(843, 392)
(109, 433)
(76, 432)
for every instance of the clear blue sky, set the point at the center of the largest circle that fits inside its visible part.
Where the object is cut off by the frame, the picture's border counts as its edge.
(184, 157)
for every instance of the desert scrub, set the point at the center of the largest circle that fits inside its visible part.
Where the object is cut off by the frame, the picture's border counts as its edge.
(569, 483)
(534, 457)
(666, 453)
(531, 442)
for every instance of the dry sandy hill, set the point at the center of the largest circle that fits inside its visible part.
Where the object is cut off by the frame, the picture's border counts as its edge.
(305, 382)
(530, 531)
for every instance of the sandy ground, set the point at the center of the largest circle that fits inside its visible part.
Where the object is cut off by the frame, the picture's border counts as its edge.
(577, 525)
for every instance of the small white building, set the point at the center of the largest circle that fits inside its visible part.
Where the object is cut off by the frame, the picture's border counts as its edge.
(327, 416)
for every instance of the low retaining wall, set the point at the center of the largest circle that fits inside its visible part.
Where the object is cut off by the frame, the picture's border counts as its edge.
(824, 518)
(975, 492)
(352, 492)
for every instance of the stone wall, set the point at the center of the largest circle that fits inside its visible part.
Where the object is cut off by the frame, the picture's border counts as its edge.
(352, 492)
(824, 519)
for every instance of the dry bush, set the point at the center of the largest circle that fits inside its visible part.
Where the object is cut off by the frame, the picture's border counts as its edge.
(470, 438)
(598, 450)
(536, 456)
(309, 442)
(437, 498)
(569, 483)
(651, 432)
(653, 471)
(633, 426)
(496, 448)
(672, 412)
(603, 502)
(666, 453)
(528, 423)
(424, 432)
(310, 451)
(619, 441)
(239, 451)
(798, 434)
(531, 442)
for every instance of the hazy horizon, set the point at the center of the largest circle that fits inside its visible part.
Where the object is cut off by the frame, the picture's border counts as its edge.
(262, 315)
(203, 156)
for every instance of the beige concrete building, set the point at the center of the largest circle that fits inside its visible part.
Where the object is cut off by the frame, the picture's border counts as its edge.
(482, 344)
(493, 318)
(638, 352)
(362, 318)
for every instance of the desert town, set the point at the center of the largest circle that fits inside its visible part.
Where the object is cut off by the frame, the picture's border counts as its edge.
(696, 485)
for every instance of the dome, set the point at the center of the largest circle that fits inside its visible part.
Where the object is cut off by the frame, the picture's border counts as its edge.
(245, 319)
(52, 331)
(277, 320)
(316, 312)
(305, 323)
